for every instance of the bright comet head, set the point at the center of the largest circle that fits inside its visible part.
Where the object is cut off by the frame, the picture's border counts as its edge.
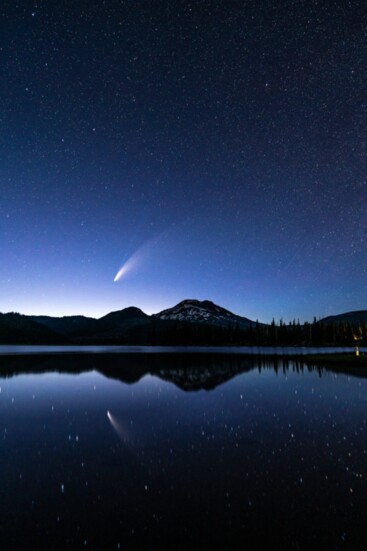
(120, 273)
(128, 265)
(135, 259)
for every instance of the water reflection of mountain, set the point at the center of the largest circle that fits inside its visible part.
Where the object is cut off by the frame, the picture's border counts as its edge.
(188, 372)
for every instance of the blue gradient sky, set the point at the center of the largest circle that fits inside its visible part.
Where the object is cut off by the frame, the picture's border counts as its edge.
(226, 140)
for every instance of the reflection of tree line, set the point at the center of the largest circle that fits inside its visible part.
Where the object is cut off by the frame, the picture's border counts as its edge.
(187, 371)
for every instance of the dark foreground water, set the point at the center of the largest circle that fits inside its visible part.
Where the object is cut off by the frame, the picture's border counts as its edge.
(169, 452)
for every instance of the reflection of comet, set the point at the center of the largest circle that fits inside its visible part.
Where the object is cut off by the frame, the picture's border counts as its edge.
(120, 430)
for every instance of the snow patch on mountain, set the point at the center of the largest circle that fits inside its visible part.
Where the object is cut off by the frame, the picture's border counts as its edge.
(205, 311)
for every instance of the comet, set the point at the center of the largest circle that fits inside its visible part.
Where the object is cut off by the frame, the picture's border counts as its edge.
(126, 267)
(136, 258)
(131, 262)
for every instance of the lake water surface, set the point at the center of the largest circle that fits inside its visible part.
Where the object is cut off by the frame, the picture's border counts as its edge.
(176, 451)
(6, 349)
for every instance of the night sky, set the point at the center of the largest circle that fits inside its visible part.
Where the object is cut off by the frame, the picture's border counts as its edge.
(219, 147)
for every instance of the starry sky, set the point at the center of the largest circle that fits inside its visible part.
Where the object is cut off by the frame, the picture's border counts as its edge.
(217, 147)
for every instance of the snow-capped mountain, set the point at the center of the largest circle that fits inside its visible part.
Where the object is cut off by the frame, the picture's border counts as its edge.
(203, 311)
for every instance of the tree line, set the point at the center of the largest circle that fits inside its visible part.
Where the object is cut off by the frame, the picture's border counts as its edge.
(274, 334)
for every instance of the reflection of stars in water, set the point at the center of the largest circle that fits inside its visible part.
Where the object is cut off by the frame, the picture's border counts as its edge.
(257, 440)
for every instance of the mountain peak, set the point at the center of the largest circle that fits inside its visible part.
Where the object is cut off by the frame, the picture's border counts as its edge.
(126, 313)
(202, 311)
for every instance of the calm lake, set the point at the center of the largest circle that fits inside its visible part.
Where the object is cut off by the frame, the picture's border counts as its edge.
(181, 451)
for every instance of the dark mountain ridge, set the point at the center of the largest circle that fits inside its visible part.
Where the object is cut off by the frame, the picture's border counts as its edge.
(20, 329)
(356, 316)
(66, 325)
(190, 322)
